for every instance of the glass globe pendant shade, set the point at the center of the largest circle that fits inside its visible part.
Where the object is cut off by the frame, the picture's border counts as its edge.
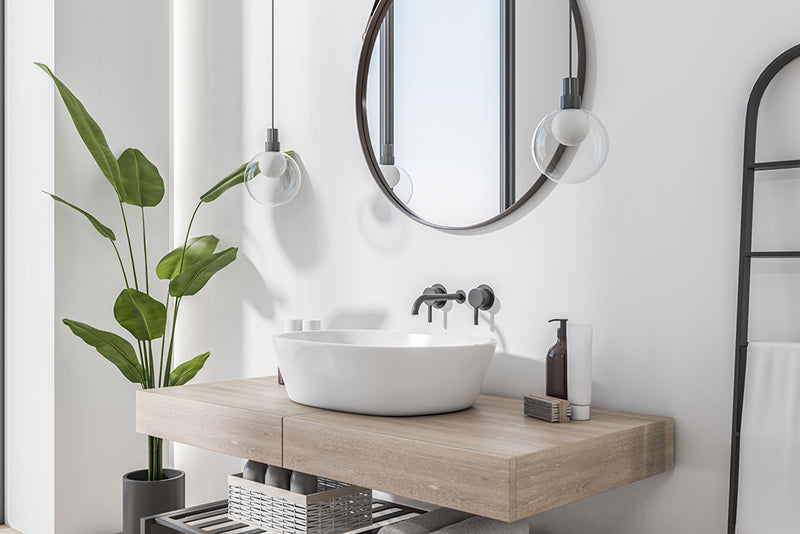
(399, 181)
(272, 178)
(570, 145)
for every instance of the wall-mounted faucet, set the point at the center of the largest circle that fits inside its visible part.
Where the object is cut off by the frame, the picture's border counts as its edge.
(436, 296)
(481, 298)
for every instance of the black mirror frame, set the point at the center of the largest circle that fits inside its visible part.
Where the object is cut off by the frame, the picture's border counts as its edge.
(370, 38)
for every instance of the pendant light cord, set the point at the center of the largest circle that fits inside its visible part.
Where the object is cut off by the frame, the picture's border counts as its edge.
(273, 64)
(570, 37)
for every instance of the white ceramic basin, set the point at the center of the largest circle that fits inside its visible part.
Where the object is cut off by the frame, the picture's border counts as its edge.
(383, 373)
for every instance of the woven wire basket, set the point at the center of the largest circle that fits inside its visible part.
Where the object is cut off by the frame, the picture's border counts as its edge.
(336, 507)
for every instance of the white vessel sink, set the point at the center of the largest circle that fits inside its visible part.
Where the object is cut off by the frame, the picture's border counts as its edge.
(383, 373)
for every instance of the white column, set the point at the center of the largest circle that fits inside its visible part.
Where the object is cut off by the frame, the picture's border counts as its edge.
(30, 268)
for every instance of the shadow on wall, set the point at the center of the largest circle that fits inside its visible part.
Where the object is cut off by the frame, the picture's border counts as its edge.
(258, 294)
(356, 320)
(297, 224)
(513, 376)
(382, 225)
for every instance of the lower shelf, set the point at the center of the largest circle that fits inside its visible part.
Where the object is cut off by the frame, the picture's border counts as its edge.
(212, 518)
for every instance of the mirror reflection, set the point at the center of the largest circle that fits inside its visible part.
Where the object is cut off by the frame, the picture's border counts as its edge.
(455, 91)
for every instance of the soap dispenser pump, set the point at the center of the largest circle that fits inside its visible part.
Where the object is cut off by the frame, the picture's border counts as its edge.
(556, 364)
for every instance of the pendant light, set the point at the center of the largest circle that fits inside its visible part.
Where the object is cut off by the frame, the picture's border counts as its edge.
(272, 178)
(396, 177)
(570, 144)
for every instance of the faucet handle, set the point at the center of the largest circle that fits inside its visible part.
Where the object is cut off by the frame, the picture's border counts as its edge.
(481, 298)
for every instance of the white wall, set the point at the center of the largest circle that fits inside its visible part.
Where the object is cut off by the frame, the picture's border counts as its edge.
(30, 268)
(70, 430)
(121, 73)
(203, 74)
(647, 251)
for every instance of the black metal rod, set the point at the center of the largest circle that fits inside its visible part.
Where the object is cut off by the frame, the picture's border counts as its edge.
(745, 261)
(508, 193)
(387, 89)
(775, 254)
(776, 165)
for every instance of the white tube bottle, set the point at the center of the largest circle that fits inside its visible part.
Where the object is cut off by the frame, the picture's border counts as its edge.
(579, 370)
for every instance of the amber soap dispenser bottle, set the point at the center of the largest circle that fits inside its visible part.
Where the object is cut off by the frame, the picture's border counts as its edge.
(556, 363)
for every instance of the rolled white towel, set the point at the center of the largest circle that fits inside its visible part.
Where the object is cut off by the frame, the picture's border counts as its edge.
(426, 523)
(483, 525)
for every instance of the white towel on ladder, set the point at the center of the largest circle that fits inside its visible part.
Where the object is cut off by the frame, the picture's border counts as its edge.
(769, 472)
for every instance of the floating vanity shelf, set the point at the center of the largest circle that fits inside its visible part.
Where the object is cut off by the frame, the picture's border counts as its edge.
(489, 460)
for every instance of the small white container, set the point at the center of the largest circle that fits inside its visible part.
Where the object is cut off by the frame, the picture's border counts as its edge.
(579, 370)
(312, 325)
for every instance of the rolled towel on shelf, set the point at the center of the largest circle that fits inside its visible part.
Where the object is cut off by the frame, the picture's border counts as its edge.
(426, 523)
(483, 525)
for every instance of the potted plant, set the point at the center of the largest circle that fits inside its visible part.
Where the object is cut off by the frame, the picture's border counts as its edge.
(137, 182)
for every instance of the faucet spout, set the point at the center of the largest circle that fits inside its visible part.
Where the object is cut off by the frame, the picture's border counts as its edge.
(438, 300)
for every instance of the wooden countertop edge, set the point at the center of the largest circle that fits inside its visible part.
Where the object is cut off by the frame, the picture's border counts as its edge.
(659, 426)
(388, 435)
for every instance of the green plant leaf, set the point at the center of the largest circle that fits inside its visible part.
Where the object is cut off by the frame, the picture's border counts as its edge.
(233, 179)
(140, 314)
(142, 185)
(187, 370)
(112, 347)
(105, 231)
(192, 280)
(198, 248)
(89, 131)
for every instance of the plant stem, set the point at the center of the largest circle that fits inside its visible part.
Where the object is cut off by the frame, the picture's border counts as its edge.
(168, 368)
(152, 374)
(163, 338)
(143, 359)
(121, 266)
(130, 248)
(186, 239)
(155, 469)
(144, 246)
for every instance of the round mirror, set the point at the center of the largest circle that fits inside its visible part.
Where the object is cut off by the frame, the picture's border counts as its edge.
(448, 96)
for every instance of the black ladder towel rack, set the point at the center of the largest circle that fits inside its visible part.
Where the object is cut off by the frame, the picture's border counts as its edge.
(745, 260)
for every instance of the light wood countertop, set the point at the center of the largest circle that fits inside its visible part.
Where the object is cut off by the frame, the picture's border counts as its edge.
(242, 418)
(489, 460)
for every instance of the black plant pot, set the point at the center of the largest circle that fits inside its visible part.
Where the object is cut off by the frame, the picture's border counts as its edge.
(141, 498)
